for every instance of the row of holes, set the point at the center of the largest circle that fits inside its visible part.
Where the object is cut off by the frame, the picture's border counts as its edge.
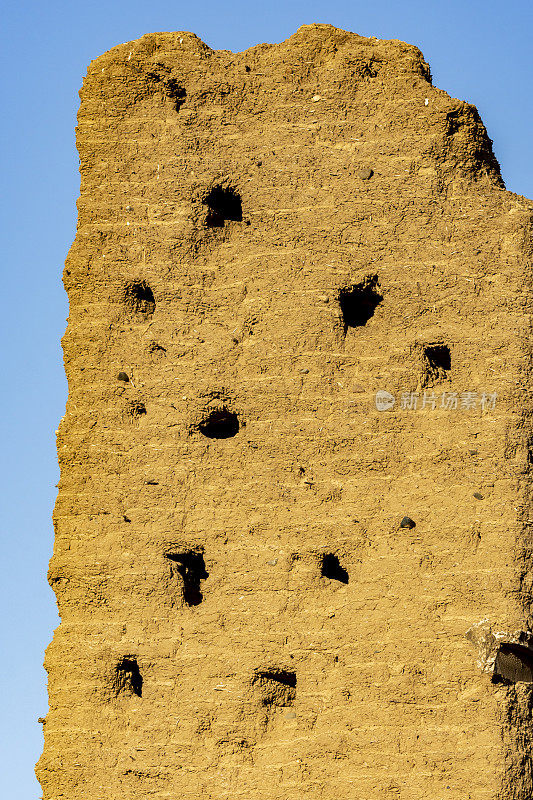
(277, 686)
(222, 423)
(513, 664)
(357, 304)
(190, 566)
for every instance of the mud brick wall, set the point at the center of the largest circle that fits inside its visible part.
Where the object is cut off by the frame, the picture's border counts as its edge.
(269, 588)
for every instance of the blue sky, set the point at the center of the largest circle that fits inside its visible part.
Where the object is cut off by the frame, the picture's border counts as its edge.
(478, 51)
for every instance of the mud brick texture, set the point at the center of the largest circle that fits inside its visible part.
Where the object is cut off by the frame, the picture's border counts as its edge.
(264, 580)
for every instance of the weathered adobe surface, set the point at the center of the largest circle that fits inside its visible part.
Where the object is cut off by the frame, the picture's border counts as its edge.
(228, 204)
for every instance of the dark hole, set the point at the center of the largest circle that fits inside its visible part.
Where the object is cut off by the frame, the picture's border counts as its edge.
(438, 356)
(220, 424)
(191, 566)
(176, 92)
(437, 362)
(172, 87)
(156, 76)
(223, 204)
(135, 410)
(514, 663)
(453, 122)
(277, 687)
(128, 678)
(281, 676)
(139, 298)
(369, 70)
(332, 569)
(359, 302)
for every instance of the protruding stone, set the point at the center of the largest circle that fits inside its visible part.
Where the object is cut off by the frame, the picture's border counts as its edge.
(407, 522)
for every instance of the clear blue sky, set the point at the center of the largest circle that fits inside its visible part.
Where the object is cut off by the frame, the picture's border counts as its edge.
(479, 50)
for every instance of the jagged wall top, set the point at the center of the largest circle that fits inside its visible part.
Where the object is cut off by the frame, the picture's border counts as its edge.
(334, 61)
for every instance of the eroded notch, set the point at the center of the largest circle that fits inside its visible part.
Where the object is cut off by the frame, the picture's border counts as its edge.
(128, 679)
(276, 687)
(359, 301)
(223, 204)
(190, 565)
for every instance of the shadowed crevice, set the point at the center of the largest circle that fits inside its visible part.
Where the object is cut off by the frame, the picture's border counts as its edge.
(358, 302)
(223, 204)
(128, 679)
(332, 569)
(220, 424)
(190, 565)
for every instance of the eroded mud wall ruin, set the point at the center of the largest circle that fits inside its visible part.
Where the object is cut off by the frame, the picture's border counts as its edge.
(264, 580)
